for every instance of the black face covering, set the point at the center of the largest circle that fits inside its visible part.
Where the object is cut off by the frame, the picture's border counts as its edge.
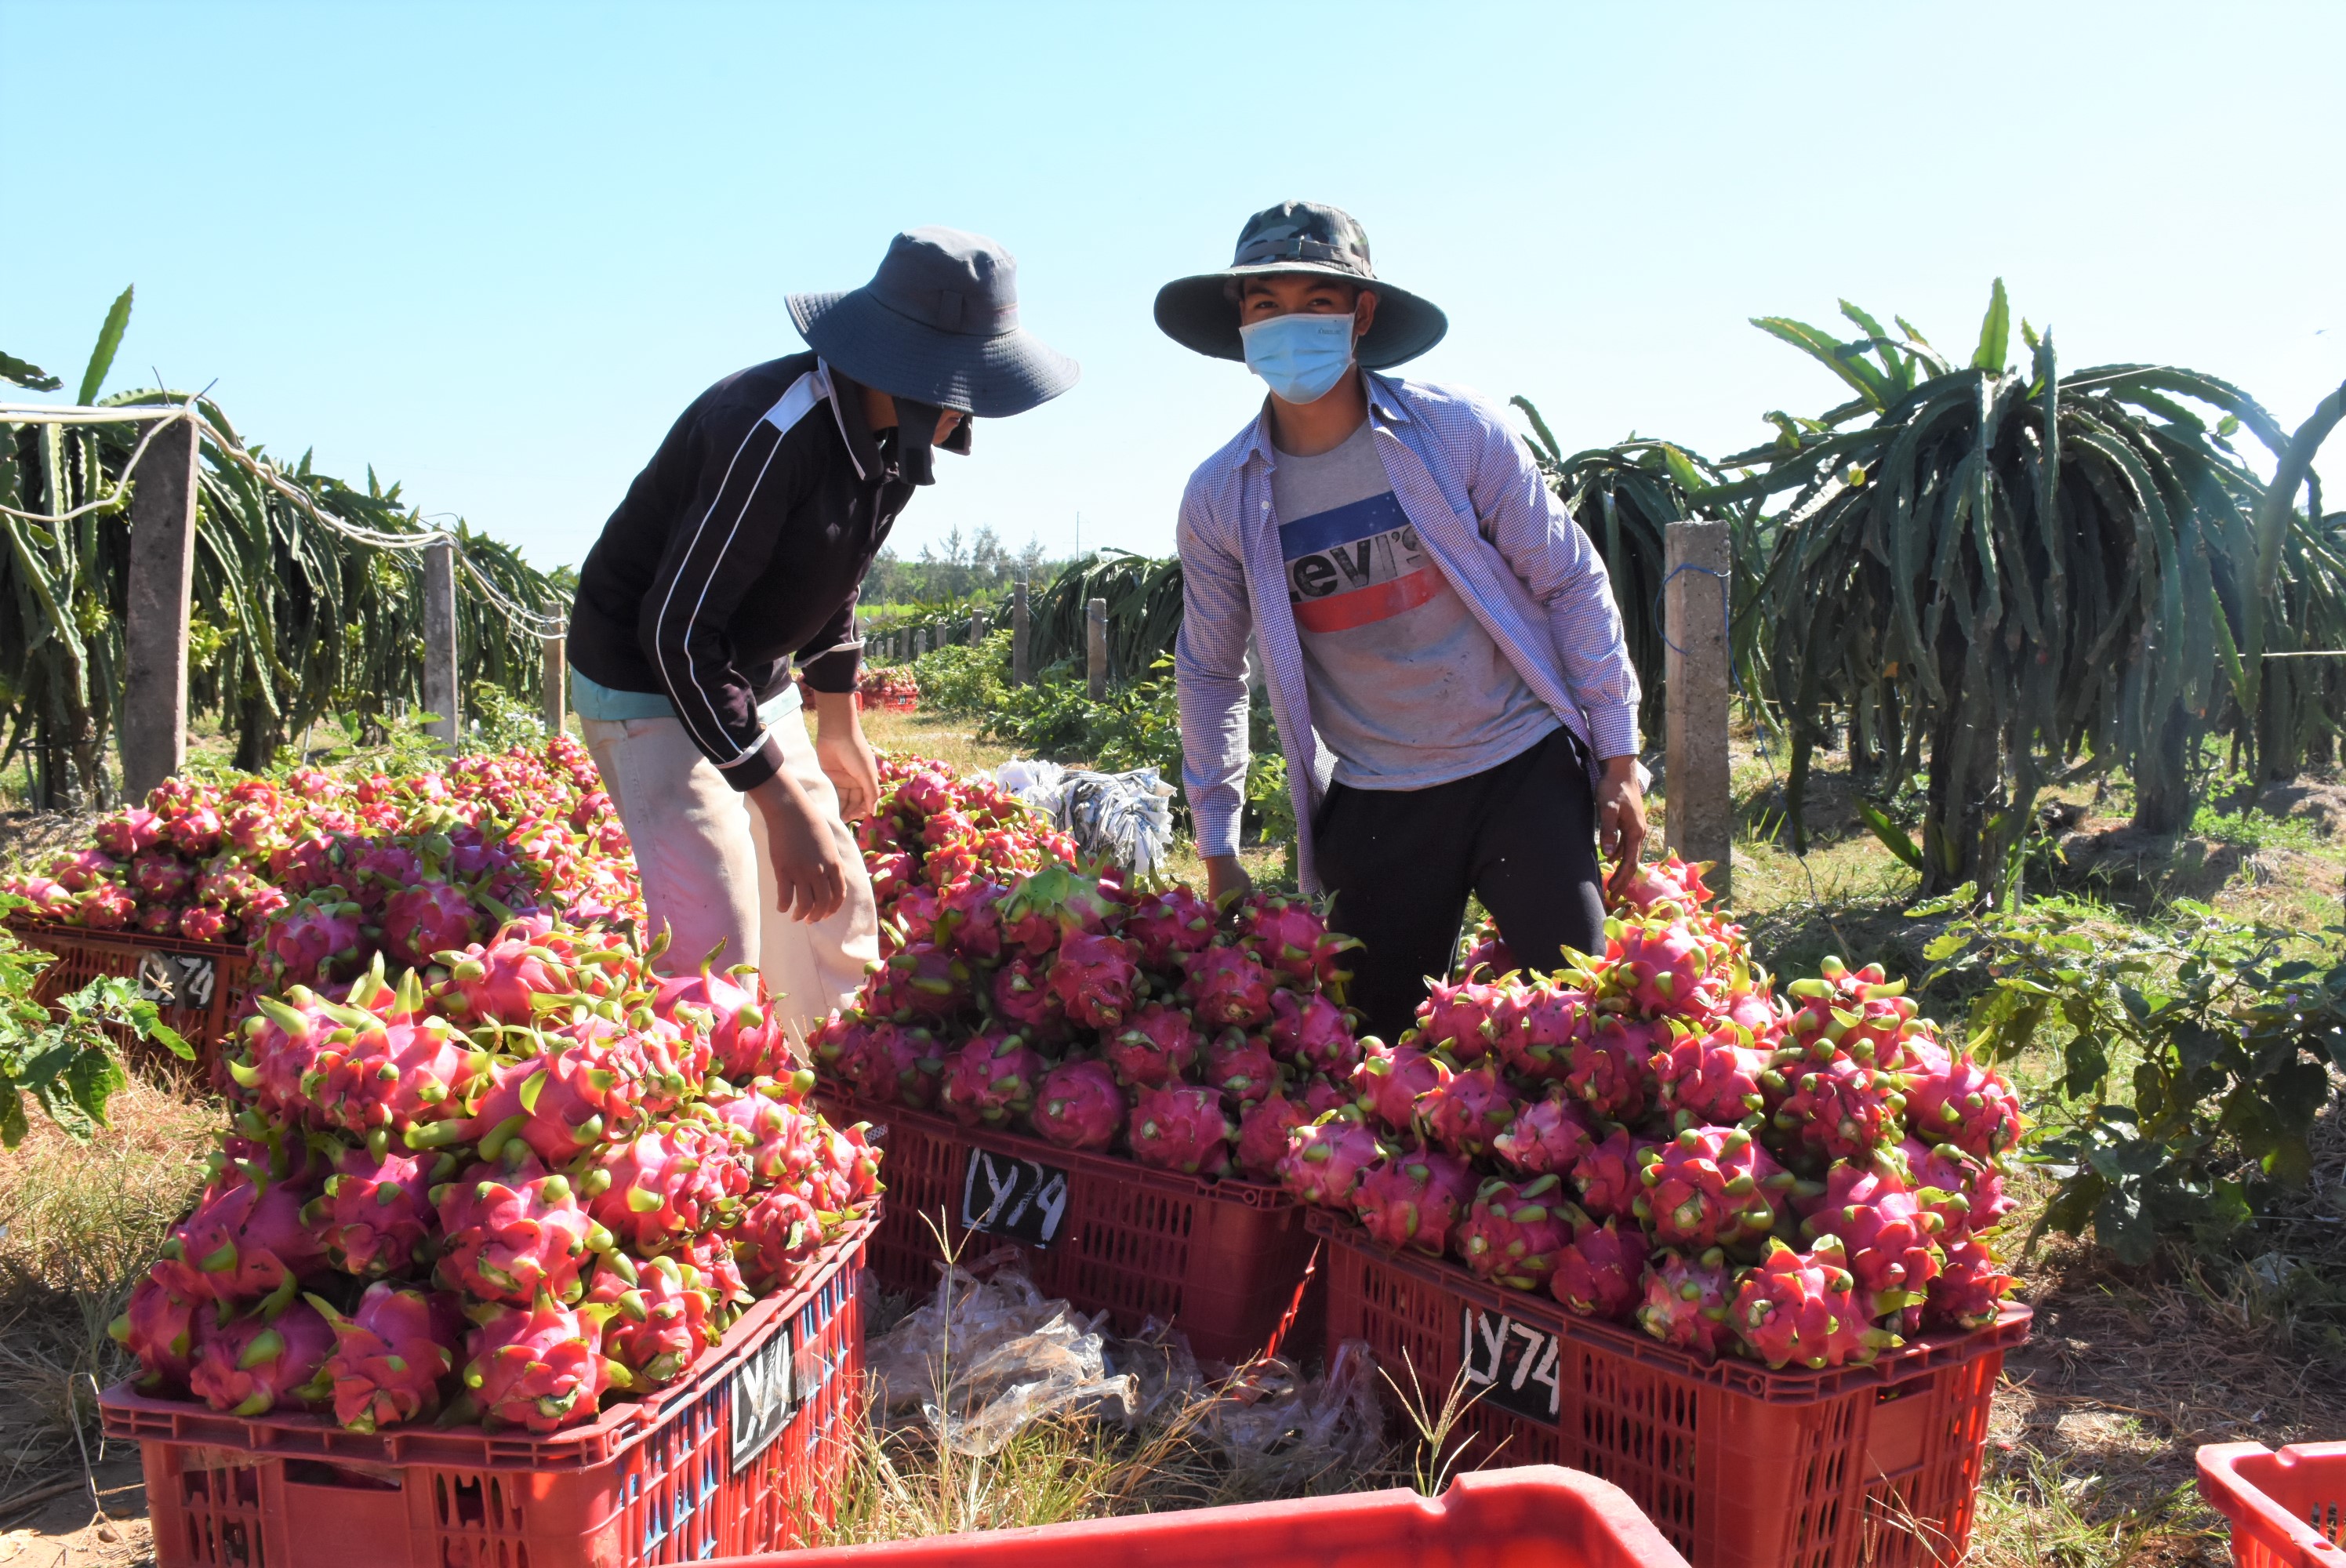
(916, 429)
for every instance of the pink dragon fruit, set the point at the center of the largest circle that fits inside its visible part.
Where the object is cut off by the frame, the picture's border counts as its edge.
(315, 940)
(105, 907)
(1391, 1079)
(1292, 937)
(772, 1135)
(1515, 1233)
(49, 898)
(1181, 1129)
(396, 1075)
(1545, 1024)
(125, 833)
(1685, 1302)
(1888, 1238)
(926, 981)
(1412, 1198)
(846, 1168)
(1311, 1034)
(389, 1356)
(424, 919)
(1672, 882)
(1663, 966)
(1326, 1158)
(513, 1231)
(158, 1326)
(1079, 1106)
(969, 919)
(1800, 1309)
(1021, 1000)
(775, 1237)
(1612, 1069)
(196, 832)
(1970, 1288)
(500, 982)
(1242, 1067)
(206, 922)
(1834, 1109)
(1610, 1176)
(1862, 1015)
(304, 864)
(86, 868)
(667, 1182)
(1457, 1019)
(1963, 1103)
(1157, 1044)
(159, 919)
(1967, 1195)
(1055, 902)
(901, 1064)
(1484, 954)
(746, 1036)
(1228, 987)
(1263, 1128)
(1710, 1187)
(1168, 927)
(1318, 1097)
(538, 1367)
(376, 1211)
(1465, 1112)
(1713, 1079)
(1598, 1273)
(568, 1100)
(659, 1317)
(1549, 1135)
(1094, 977)
(991, 1079)
(243, 1239)
(252, 1364)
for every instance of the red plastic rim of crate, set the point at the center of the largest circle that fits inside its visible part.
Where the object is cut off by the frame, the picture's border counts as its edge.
(128, 1413)
(2288, 1509)
(1793, 1385)
(1075, 1162)
(137, 941)
(1534, 1513)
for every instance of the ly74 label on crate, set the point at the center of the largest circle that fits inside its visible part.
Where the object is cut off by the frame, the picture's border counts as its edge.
(1022, 1200)
(763, 1397)
(1515, 1361)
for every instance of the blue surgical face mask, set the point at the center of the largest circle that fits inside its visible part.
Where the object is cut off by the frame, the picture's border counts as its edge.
(1301, 357)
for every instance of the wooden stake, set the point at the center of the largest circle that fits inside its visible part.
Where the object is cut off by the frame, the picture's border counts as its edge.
(1022, 654)
(1702, 814)
(440, 642)
(154, 629)
(1096, 645)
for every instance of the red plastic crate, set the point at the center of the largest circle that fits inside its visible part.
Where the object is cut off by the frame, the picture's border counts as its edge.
(206, 982)
(1534, 1517)
(2288, 1509)
(1226, 1262)
(1740, 1467)
(743, 1457)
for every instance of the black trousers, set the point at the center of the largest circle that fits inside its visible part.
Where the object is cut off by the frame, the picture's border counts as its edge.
(1521, 836)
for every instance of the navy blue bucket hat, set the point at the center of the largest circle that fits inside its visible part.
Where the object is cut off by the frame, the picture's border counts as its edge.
(938, 324)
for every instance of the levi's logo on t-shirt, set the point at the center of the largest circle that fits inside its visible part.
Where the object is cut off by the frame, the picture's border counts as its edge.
(1355, 564)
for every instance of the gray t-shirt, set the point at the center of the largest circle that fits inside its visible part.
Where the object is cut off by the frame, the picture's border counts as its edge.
(1407, 688)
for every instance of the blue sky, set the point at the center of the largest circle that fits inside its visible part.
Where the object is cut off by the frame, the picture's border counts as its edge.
(493, 250)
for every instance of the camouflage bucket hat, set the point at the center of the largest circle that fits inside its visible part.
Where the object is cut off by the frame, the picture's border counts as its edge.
(1201, 312)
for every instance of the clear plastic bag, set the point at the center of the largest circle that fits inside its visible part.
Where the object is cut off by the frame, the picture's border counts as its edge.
(1282, 1432)
(1126, 817)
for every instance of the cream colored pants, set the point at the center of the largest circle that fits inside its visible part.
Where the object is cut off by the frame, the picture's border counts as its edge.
(707, 877)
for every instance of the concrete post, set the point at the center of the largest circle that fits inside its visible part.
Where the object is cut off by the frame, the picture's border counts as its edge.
(977, 628)
(1022, 647)
(440, 642)
(1096, 645)
(553, 682)
(1701, 812)
(154, 630)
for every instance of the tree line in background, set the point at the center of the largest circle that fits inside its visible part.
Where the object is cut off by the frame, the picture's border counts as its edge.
(954, 568)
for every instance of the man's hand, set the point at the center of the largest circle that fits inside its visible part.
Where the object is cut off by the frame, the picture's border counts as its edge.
(809, 881)
(844, 755)
(1225, 875)
(1620, 819)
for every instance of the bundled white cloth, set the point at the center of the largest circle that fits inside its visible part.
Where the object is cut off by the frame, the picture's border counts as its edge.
(1126, 817)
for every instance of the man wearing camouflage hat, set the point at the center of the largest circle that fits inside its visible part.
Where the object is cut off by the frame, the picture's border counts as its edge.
(1454, 698)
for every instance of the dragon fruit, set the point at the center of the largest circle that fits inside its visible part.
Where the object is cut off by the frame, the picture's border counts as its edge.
(846, 1168)
(539, 1367)
(500, 982)
(1954, 1100)
(1672, 882)
(1861, 1014)
(1168, 927)
(1079, 1106)
(105, 907)
(1966, 1193)
(1292, 937)
(1094, 977)
(1021, 1000)
(1888, 1238)
(771, 1134)
(1263, 1128)
(243, 1239)
(1598, 1273)
(1610, 1176)
(1711, 1079)
(159, 919)
(422, 920)
(1549, 1134)
(1182, 1129)
(86, 868)
(50, 899)
(195, 832)
(1242, 1067)
(1326, 1158)
(1456, 1019)
(252, 1364)
(1228, 987)
(1391, 1078)
(969, 919)
(389, 1356)
(1664, 966)
(1412, 1198)
(1612, 1069)
(159, 873)
(1685, 1302)
(1466, 1111)
(124, 834)
(746, 1038)
(315, 940)
(928, 982)
(1544, 1023)
(396, 1076)
(1320, 1096)
(659, 1317)
(991, 1079)
(1311, 1034)
(1709, 1186)
(666, 1182)
(158, 1326)
(375, 1212)
(1484, 954)
(774, 1237)
(1834, 1109)
(1055, 902)
(1515, 1232)
(1800, 1309)
(1157, 1044)
(1969, 1286)
(903, 1063)
(565, 1101)
(511, 1231)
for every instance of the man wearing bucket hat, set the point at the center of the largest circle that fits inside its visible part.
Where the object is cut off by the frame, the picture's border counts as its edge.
(1454, 698)
(742, 548)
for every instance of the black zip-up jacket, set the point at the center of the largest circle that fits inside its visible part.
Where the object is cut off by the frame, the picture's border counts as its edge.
(742, 544)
